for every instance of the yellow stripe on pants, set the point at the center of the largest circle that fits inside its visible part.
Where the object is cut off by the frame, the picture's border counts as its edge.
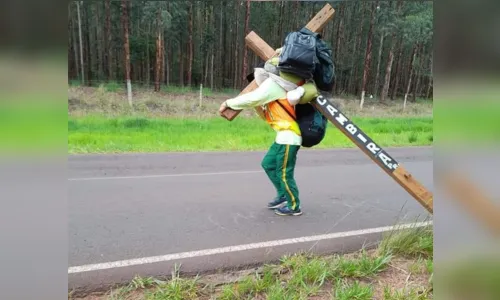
(284, 177)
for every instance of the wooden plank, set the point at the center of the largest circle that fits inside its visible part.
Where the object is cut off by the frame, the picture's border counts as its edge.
(414, 188)
(259, 46)
(375, 152)
(321, 19)
(263, 50)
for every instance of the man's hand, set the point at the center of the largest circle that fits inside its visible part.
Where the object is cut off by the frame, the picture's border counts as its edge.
(222, 107)
(294, 96)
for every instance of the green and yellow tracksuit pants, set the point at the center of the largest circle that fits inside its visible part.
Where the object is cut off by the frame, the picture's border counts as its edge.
(279, 164)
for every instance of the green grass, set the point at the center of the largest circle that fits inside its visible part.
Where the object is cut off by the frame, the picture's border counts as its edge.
(420, 266)
(362, 266)
(405, 294)
(249, 286)
(177, 288)
(354, 291)
(98, 134)
(416, 242)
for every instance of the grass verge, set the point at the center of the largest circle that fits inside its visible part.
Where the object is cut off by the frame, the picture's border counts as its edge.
(401, 268)
(99, 134)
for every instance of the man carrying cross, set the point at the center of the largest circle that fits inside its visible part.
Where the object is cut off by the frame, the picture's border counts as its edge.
(277, 94)
(325, 108)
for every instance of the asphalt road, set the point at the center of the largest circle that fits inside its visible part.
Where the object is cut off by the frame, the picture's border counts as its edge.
(135, 206)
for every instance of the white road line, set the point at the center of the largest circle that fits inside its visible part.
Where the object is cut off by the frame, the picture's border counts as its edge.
(163, 175)
(207, 252)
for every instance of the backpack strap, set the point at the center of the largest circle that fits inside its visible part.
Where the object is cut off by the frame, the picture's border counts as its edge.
(286, 110)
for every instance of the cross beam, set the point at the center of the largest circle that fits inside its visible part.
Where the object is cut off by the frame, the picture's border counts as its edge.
(354, 133)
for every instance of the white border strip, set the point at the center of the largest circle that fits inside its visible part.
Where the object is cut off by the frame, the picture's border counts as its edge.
(207, 252)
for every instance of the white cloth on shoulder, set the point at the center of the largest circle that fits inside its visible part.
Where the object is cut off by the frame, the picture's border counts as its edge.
(294, 92)
(262, 74)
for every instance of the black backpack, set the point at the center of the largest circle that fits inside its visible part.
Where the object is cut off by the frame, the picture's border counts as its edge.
(306, 55)
(311, 122)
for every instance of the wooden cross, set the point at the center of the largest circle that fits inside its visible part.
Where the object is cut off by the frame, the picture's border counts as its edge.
(339, 120)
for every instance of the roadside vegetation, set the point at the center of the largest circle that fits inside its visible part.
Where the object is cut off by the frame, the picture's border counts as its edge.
(400, 268)
(101, 121)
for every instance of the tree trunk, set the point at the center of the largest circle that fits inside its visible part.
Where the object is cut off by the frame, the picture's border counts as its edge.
(109, 72)
(221, 56)
(297, 13)
(388, 69)
(280, 22)
(212, 71)
(205, 69)
(429, 87)
(340, 37)
(148, 60)
(224, 46)
(413, 55)
(99, 41)
(228, 45)
(71, 47)
(181, 62)
(197, 25)
(417, 73)
(390, 60)
(368, 55)
(126, 49)
(237, 44)
(82, 67)
(340, 31)
(95, 37)
(87, 44)
(168, 53)
(205, 50)
(190, 42)
(158, 52)
(354, 67)
(75, 45)
(162, 58)
(167, 64)
(90, 41)
(158, 61)
(245, 48)
(399, 68)
(379, 61)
